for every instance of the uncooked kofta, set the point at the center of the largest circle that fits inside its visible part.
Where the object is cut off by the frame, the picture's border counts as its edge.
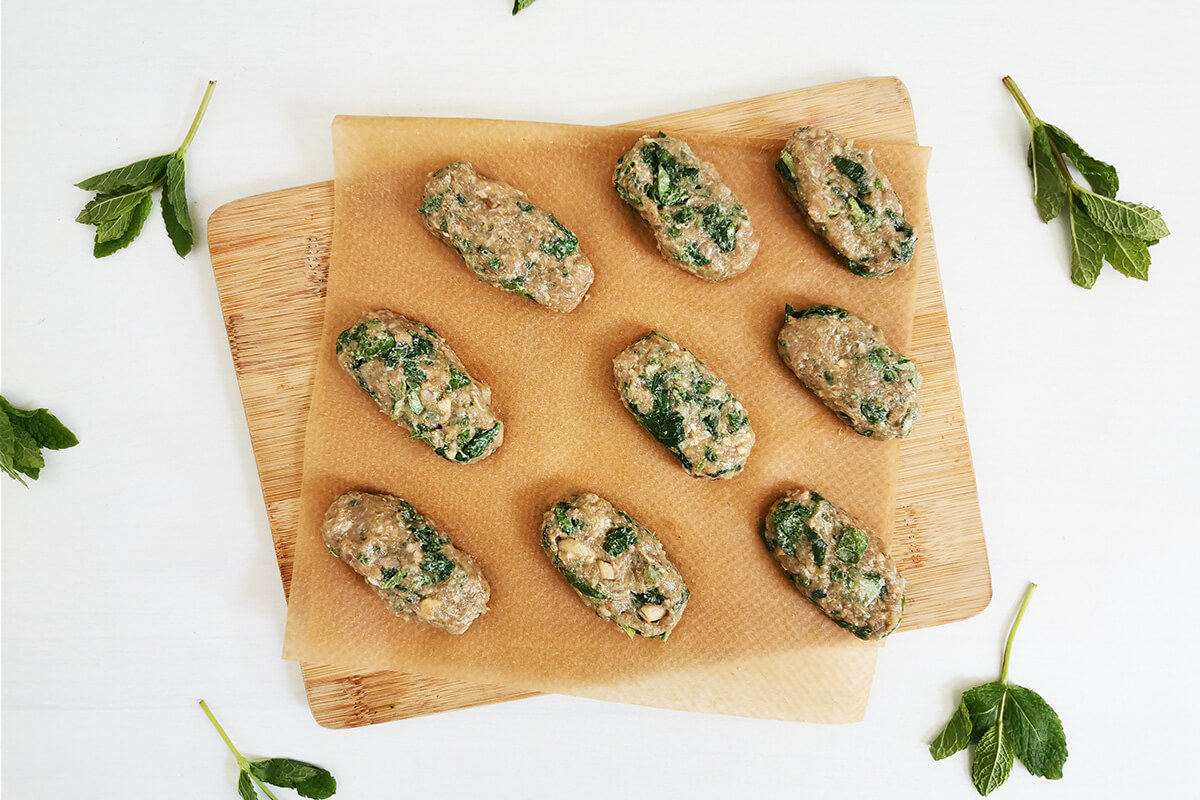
(684, 405)
(617, 566)
(506, 239)
(846, 200)
(847, 363)
(695, 217)
(401, 554)
(836, 562)
(418, 381)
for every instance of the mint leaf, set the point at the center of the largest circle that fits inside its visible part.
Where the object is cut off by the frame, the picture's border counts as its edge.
(114, 228)
(1100, 176)
(1102, 228)
(246, 786)
(955, 736)
(308, 780)
(8, 444)
(48, 430)
(110, 206)
(123, 199)
(1004, 721)
(175, 207)
(137, 175)
(1123, 218)
(1035, 732)
(134, 221)
(1050, 186)
(23, 434)
(27, 456)
(521, 5)
(1130, 257)
(20, 454)
(1087, 247)
(983, 704)
(993, 761)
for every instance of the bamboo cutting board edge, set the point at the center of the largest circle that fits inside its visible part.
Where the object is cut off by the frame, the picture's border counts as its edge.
(257, 243)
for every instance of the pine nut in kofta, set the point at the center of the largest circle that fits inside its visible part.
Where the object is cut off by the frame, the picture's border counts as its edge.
(506, 239)
(418, 381)
(836, 562)
(418, 572)
(619, 568)
(697, 220)
(847, 201)
(846, 362)
(684, 405)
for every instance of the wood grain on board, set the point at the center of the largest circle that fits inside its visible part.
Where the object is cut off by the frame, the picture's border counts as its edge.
(270, 256)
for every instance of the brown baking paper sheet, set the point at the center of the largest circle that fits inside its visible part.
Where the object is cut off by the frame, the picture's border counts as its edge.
(749, 644)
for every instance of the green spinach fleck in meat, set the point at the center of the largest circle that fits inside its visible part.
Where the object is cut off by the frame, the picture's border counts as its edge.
(671, 183)
(873, 411)
(561, 246)
(693, 256)
(618, 540)
(721, 224)
(650, 597)
(663, 421)
(478, 444)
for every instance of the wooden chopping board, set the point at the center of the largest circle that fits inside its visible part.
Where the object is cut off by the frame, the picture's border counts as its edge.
(270, 256)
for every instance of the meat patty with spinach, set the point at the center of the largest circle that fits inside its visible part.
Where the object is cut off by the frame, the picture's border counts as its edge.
(836, 562)
(419, 382)
(847, 363)
(505, 238)
(400, 553)
(684, 405)
(618, 567)
(847, 201)
(697, 220)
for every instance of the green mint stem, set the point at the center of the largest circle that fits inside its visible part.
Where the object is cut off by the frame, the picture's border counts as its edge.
(243, 764)
(1026, 109)
(1034, 122)
(187, 140)
(208, 712)
(1012, 633)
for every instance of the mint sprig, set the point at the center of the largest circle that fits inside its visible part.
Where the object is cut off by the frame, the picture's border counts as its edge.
(521, 5)
(123, 196)
(23, 434)
(1102, 228)
(308, 780)
(1004, 721)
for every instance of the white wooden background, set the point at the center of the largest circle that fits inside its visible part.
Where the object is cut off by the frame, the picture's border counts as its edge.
(138, 574)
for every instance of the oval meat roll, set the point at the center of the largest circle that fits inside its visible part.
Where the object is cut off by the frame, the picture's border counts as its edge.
(505, 239)
(619, 568)
(684, 405)
(697, 220)
(418, 381)
(836, 562)
(401, 554)
(846, 362)
(847, 201)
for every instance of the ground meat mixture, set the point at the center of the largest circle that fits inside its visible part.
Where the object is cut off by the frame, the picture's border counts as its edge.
(418, 381)
(505, 239)
(619, 568)
(836, 562)
(696, 218)
(685, 406)
(847, 201)
(403, 557)
(847, 363)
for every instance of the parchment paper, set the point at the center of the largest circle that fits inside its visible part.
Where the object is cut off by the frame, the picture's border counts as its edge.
(749, 643)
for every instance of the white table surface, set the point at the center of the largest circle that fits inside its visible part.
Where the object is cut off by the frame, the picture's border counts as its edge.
(138, 573)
